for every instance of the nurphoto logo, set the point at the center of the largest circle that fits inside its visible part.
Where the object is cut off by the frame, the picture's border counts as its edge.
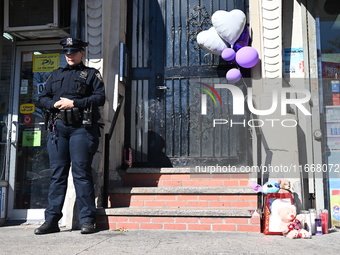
(238, 104)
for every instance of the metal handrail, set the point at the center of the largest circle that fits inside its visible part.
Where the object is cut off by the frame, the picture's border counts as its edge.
(108, 137)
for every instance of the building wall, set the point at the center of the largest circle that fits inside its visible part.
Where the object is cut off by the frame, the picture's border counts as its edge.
(114, 32)
(277, 25)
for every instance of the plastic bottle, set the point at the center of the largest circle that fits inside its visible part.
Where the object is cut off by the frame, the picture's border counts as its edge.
(312, 219)
(128, 156)
(308, 223)
(318, 225)
(324, 220)
(304, 214)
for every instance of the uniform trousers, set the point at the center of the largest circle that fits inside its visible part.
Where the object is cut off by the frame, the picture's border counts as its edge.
(71, 146)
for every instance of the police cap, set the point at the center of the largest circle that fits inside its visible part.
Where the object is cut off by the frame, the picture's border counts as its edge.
(72, 45)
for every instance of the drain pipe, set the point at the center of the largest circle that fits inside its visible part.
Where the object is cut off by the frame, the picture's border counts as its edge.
(75, 29)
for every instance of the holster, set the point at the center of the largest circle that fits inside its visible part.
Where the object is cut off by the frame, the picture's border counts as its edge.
(87, 117)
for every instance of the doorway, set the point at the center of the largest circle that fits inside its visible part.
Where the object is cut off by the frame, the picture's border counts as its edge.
(29, 174)
(165, 127)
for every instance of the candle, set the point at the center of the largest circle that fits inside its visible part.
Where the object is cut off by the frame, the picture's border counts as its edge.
(324, 220)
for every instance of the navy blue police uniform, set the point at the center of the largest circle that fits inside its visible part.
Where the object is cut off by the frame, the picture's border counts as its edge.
(72, 137)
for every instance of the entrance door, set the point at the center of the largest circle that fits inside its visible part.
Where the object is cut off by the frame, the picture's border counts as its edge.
(29, 167)
(167, 75)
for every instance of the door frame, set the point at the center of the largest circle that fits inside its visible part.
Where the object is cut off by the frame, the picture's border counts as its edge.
(21, 214)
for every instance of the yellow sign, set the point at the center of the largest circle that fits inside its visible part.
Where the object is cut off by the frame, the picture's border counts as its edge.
(46, 62)
(27, 108)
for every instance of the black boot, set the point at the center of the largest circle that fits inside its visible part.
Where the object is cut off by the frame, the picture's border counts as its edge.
(47, 228)
(87, 228)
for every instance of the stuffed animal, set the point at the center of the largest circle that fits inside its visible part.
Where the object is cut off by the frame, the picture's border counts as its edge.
(291, 225)
(274, 218)
(284, 186)
(268, 187)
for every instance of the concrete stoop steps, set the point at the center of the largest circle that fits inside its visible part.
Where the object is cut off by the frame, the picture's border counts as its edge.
(176, 199)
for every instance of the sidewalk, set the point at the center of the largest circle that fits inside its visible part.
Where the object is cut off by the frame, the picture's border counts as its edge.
(21, 240)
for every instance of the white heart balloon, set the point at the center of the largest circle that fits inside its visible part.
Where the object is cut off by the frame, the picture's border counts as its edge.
(210, 41)
(229, 25)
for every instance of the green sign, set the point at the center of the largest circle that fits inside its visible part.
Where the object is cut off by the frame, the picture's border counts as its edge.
(31, 138)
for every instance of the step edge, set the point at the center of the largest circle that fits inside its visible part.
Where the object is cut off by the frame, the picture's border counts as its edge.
(160, 212)
(180, 170)
(182, 190)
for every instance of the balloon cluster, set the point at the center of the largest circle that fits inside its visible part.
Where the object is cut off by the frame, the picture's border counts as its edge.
(229, 38)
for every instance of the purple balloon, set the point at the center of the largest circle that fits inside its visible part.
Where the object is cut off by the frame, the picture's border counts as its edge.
(233, 75)
(243, 40)
(247, 57)
(228, 54)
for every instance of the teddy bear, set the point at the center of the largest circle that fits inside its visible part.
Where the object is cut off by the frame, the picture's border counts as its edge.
(284, 186)
(291, 225)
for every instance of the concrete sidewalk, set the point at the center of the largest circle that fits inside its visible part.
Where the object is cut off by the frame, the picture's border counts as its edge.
(21, 240)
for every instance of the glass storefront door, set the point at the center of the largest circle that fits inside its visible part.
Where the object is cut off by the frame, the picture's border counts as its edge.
(29, 170)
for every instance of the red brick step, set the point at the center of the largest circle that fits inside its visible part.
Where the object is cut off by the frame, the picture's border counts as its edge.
(173, 198)
(184, 179)
(167, 219)
(183, 197)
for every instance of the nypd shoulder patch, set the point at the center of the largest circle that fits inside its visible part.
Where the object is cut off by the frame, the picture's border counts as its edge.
(99, 76)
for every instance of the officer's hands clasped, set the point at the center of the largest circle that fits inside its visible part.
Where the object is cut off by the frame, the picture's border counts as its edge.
(64, 103)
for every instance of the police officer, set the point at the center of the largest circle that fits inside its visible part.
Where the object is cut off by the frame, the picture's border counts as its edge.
(72, 95)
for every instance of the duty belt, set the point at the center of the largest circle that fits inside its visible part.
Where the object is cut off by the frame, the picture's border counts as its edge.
(74, 116)
(70, 116)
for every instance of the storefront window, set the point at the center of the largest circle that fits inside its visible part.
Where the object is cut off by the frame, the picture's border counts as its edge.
(329, 24)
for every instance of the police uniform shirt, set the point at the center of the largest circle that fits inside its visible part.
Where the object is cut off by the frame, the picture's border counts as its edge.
(66, 82)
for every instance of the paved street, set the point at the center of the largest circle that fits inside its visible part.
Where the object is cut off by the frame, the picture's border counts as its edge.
(21, 240)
